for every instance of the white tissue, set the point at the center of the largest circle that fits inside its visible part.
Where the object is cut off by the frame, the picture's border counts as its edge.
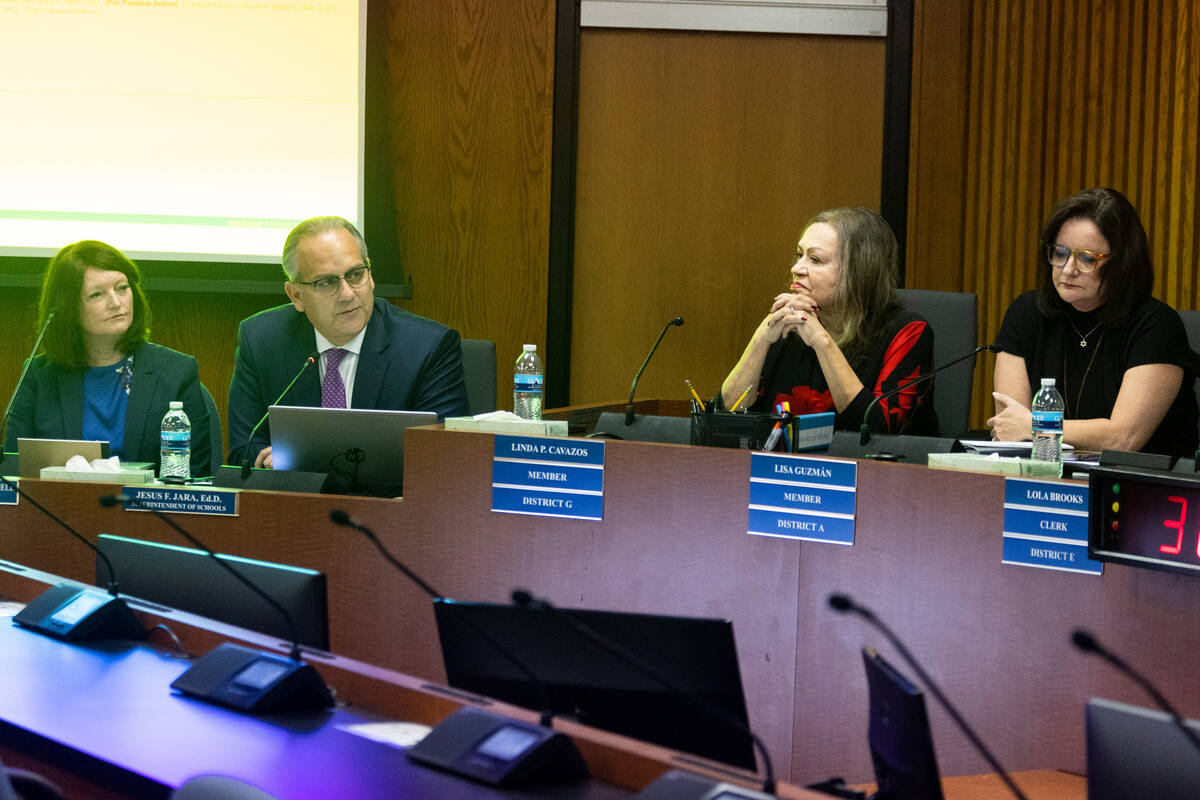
(78, 463)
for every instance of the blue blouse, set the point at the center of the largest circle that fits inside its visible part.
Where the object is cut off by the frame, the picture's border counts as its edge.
(105, 397)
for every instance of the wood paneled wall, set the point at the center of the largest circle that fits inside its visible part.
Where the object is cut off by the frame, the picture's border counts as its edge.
(700, 157)
(1018, 103)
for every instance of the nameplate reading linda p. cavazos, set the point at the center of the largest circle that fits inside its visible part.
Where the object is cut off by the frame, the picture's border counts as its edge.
(1046, 525)
(183, 500)
(802, 497)
(548, 476)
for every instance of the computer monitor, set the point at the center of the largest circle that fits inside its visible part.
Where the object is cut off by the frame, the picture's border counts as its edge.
(189, 580)
(1135, 752)
(589, 684)
(362, 450)
(898, 735)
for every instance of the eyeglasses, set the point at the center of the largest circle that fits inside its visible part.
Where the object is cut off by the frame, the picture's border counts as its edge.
(329, 284)
(1085, 260)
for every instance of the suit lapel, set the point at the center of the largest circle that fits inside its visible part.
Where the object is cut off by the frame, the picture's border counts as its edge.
(70, 399)
(307, 390)
(372, 363)
(138, 425)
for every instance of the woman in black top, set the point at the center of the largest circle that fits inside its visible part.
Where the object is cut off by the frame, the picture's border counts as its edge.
(1119, 357)
(838, 339)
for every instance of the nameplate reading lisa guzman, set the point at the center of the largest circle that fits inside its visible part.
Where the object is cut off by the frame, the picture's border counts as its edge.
(183, 500)
(548, 477)
(801, 497)
(1046, 525)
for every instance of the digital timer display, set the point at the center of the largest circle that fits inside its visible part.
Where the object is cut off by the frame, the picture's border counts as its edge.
(1145, 519)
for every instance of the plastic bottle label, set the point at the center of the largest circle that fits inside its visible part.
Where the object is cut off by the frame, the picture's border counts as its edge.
(1049, 421)
(177, 438)
(527, 383)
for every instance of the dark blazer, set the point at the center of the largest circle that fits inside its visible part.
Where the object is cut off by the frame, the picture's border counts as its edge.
(407, 363)
(49, 405)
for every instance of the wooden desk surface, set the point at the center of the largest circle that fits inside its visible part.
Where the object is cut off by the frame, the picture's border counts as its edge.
(927, 557)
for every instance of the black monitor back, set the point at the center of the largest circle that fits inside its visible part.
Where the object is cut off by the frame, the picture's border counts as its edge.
(593, 686)
(898, 734)
(189, 580)
(1135, 752)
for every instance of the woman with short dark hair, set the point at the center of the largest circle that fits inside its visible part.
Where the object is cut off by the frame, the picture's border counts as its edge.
(99, 378)
(838, 338)
(1120, 358)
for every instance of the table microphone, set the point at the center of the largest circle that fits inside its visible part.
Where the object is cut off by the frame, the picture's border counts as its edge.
(69, 612)
(641, 369)
(460, 743)
(524, 598)
(845, 605)
(248, 456)
(1088, 644)
(237, 676)
(24, 371)
(339, 517)
(864, 432)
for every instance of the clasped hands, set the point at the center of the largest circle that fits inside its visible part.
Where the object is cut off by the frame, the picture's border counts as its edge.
(793, 311)
(1013, 422)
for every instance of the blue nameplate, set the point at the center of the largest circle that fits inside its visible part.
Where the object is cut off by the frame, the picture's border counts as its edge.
(548, 477)
(183, 500)
(1046, 525)
(8, 492)
(801, 497)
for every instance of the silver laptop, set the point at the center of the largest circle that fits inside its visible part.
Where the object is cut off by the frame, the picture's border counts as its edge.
(361, 450)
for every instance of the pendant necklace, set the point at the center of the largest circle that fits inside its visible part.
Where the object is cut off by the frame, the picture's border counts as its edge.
(1083, 337)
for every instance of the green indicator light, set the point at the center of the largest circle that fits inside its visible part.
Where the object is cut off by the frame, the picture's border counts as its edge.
(1116, 487)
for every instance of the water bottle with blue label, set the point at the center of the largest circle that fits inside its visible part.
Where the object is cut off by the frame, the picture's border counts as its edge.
(528, 387)
(175, 452)
(1048, 424)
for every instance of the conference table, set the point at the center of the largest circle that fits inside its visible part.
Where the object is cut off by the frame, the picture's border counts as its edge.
(926, 556)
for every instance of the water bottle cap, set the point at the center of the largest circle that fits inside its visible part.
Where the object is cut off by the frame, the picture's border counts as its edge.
(176, 404)
(1047, 381)
(530, 348)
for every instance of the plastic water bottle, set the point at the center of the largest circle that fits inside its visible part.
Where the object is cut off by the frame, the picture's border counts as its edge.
(528, 387)
(175, 453)
(1048, 423)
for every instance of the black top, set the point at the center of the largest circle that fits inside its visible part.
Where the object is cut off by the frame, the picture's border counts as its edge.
(902, 351)
(49, 404)
(1089, 377)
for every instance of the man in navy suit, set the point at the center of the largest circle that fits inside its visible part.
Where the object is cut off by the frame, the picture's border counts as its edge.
(372, 354)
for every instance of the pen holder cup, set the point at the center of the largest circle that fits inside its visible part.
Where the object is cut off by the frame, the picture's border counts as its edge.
(748, 431)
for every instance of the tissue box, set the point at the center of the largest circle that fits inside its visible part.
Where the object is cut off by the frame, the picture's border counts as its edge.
(547, 427)
(131, 473)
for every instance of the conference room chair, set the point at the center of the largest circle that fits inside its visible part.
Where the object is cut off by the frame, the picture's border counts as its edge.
(214, 430)
(1191, 323)
(954, 317)
(21, 784)
(479, 364)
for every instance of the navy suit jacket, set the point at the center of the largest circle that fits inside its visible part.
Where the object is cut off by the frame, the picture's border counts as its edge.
(49, 405)
(407, 363)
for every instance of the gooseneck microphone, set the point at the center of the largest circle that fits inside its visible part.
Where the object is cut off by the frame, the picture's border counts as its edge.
(339, 517)
(111, 617)
(629, 405)
(845, 605)
(24, 371)
(248, 456)
(113, 500)
(1088, 644)
(526, 599)
(241, 677)
(864, 432)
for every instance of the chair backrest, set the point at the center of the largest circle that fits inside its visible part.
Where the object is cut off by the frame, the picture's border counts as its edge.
(479, 365)
(954, 317)
(214, 430)
(218, 787)
(1191, 323)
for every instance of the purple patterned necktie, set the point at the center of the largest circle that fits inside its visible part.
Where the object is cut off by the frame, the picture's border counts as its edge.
(333, 391)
